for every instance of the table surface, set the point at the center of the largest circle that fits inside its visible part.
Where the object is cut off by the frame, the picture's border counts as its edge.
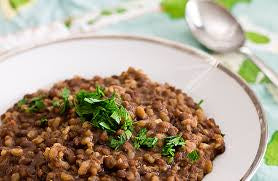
(26, 22)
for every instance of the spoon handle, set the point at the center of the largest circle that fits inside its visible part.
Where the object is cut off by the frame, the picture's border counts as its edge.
(273, 76)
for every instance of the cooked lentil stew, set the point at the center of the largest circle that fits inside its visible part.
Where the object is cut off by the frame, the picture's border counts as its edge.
(124, 127)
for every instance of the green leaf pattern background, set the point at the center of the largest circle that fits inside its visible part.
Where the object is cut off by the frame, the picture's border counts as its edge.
(162, 18)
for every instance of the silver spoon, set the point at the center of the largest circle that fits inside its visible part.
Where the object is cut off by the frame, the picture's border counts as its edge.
(215, 27)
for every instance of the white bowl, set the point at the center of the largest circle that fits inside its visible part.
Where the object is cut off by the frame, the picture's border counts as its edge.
(227, 98)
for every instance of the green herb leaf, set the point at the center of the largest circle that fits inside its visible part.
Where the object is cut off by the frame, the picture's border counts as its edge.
(174, 141)
(115, 115)
(150, 142)
(141, 140)
(120, 140)
(104, 113)
(65, 95)
(257, 37)
(36, 104)
(84, 108)
(21, 102)
(193, 156)
(128, 123)
(92, 100)
(128, 134)
(106, 126)
(174, 8)
(168, 151)
(117, 143)
(171, 142)
(99, 91)
(200, 103)
(43, 122)
(127, 127)
(170, 160)
(55, 103)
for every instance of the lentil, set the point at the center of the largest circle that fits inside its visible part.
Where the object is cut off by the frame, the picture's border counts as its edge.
(66, 148)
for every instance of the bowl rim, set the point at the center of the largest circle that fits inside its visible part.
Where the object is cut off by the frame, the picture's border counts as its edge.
(179, 47)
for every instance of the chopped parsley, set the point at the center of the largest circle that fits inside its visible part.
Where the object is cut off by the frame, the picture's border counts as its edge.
(141, 140)
(127, 126)
(65, 95)
(21, 102)
(104, 113)
(171, 142)
(91, 106)
(193, 156)
(55, 103)
(200, 103)
(36, 104)
(116, 143)
(43, 122)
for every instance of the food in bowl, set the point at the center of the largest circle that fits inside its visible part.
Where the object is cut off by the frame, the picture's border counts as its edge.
(124, 127)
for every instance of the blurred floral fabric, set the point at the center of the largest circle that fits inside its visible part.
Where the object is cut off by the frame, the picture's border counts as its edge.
(28, 22)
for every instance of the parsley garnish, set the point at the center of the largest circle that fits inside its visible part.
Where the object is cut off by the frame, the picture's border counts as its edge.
(116, 143)
(92, 107)
(193, 156)
(104, 113)
(55, 103)
(200, 103)
(65, 95)
(21, 102)
(170, 143)
(141, 140)
(36, 104)
(43, 122)
(127, 126)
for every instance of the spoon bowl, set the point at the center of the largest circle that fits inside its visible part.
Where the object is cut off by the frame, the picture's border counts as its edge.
(217, 29)
(204, 19)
